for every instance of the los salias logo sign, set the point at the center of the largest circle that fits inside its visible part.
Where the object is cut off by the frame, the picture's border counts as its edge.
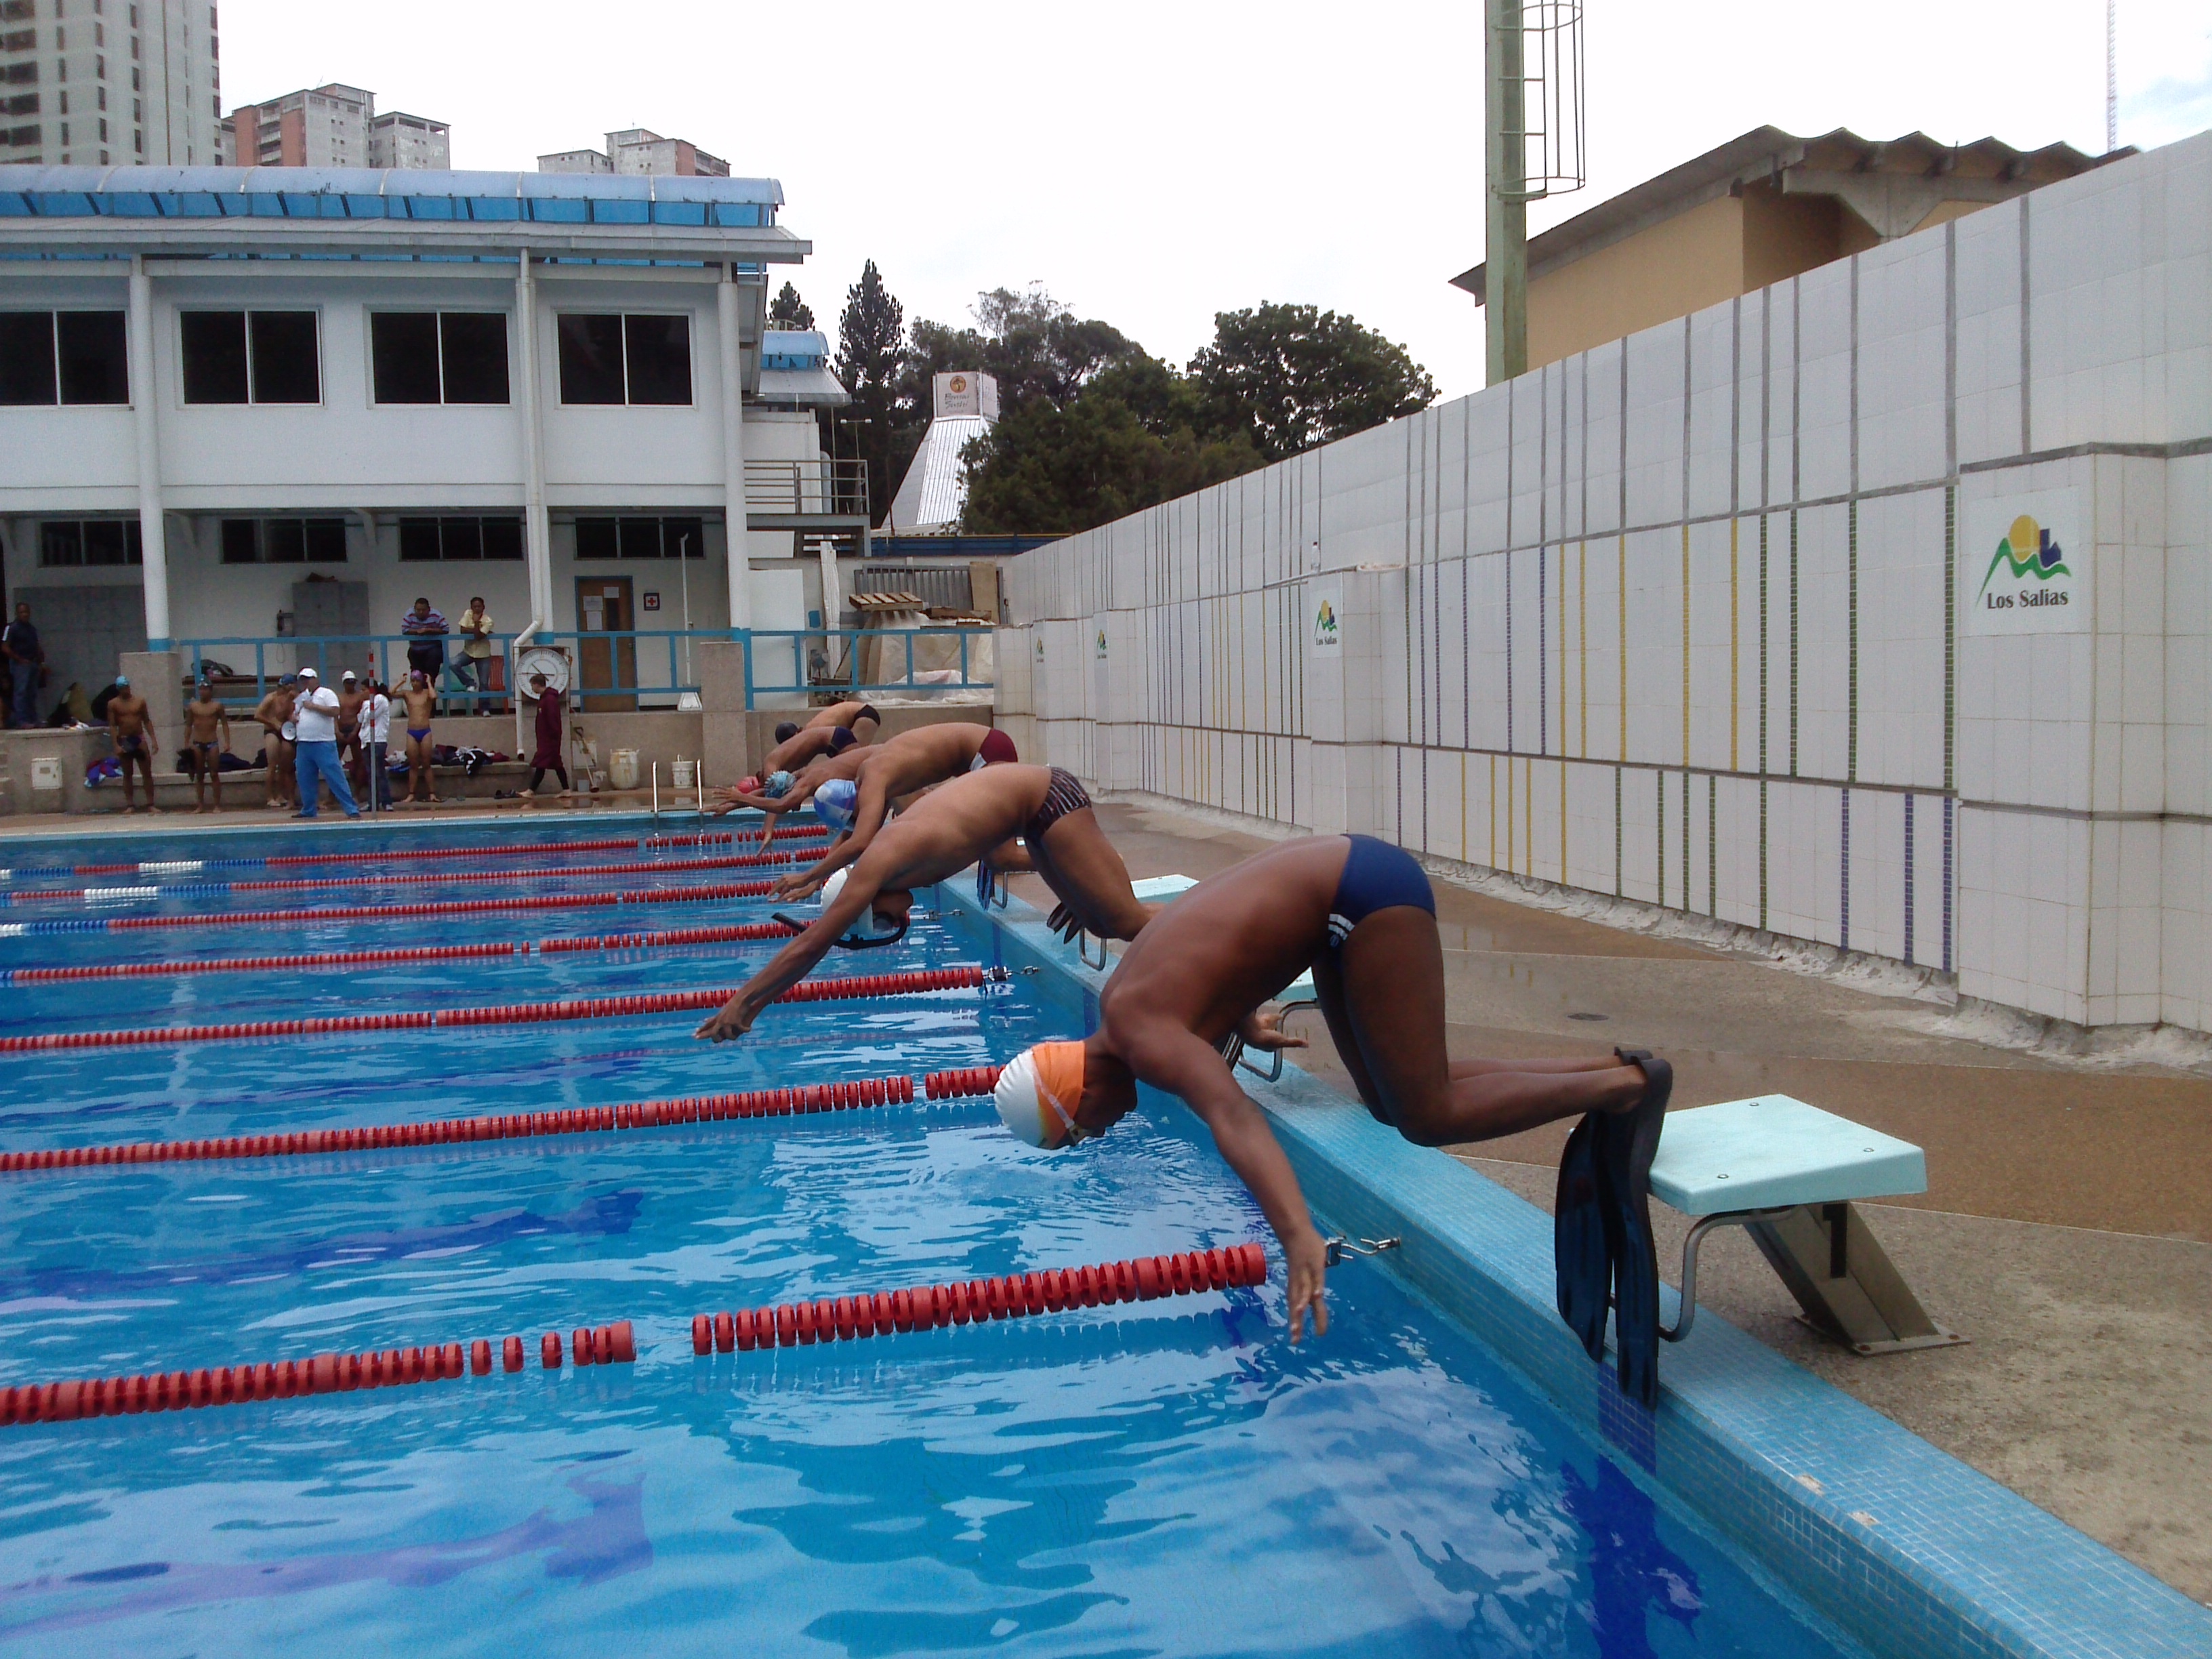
(2025, 565)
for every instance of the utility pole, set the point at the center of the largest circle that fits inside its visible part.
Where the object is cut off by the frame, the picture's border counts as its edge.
(1506, 241)
(2112, 75)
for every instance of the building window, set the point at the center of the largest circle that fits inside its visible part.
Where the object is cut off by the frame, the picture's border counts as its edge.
(439, 358)
(71, 542)
(641, 538)
(255, 356)
(64, 356)
(422, 540)
(283, 541)
(610, 359)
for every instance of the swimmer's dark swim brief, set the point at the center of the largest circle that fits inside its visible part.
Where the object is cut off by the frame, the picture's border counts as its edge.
(1064, 795)
(1376, 877)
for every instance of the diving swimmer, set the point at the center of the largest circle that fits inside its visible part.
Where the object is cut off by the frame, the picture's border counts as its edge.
(912, 761)
(1359, 911)
(945, 831)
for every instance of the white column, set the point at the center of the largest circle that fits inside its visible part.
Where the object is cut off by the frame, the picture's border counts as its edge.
(733, 448)
(537, 531)
(144, 408)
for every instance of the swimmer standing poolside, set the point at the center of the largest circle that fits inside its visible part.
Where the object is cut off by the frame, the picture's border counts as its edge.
(944, 832)
(1361, 913)
(422, 699)
(207, 734)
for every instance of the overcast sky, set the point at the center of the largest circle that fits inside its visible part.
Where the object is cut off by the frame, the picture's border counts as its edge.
(1151, 164)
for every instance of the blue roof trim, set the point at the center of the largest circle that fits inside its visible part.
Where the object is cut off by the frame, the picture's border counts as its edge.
(572, 198)
(782, 348)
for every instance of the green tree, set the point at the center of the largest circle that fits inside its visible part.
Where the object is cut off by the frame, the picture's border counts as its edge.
(1295, 376)
(1128, 440)
(871, 352)
(1030, 344)
(789, 311)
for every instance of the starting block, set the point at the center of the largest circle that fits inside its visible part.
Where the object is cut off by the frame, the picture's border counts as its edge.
(1789, 1174)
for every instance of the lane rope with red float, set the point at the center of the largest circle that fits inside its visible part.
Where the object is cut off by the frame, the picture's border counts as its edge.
(978, 1302)
(664, 940)
(514, 1014)
(397, 912)
(385, 855)
(144, 893)
(842, 1319)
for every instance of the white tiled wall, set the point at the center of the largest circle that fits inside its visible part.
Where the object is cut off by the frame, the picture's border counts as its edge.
(1510, 567)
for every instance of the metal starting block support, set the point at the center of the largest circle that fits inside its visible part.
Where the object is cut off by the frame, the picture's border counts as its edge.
(1788, 1173)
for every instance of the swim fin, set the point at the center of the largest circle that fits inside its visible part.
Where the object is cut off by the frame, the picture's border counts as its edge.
(1579, 1234)
(1626, 1142)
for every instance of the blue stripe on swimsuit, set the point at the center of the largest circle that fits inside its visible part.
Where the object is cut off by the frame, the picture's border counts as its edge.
(1376, 877)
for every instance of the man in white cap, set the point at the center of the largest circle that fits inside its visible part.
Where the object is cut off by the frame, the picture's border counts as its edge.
(315, 742)
(944, 832)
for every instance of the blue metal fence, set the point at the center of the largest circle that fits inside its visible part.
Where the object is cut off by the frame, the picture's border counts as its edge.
(656, 665)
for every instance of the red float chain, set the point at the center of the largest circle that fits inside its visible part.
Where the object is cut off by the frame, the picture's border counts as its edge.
(449, 907)
(291, 1379)
(967, 1080)
(514, 1013)
(1015, 1296)
(453, 1131)
(505, 850)
(748, 930)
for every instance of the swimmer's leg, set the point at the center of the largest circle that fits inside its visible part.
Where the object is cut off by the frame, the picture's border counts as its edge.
(1384, 1002)
(1081, 866)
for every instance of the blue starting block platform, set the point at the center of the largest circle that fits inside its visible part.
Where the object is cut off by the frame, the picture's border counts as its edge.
(1788, 1174)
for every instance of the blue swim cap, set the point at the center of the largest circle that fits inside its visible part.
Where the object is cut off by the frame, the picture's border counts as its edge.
(777, 786)
(836, 802)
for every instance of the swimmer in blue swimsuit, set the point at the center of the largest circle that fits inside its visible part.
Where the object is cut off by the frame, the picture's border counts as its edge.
(1361, 913)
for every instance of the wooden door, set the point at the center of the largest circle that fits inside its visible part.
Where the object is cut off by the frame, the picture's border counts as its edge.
(603, 606)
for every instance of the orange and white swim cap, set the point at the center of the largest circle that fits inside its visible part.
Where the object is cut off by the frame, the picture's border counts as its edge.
(1039, 1092)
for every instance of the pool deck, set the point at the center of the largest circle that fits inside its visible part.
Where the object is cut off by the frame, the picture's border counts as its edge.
(2080, 1267)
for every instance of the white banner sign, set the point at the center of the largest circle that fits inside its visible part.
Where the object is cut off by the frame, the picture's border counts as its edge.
(2024, 565)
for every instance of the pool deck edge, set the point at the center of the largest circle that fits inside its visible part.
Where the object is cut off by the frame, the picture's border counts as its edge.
(1905, 1548)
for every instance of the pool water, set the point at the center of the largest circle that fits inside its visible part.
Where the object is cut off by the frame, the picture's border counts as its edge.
(1167, 1477)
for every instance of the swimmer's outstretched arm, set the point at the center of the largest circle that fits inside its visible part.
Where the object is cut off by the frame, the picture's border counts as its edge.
(790, 964)
(1169, 1057)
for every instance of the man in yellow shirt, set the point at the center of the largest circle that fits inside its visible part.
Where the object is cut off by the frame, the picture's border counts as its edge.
(470, 666)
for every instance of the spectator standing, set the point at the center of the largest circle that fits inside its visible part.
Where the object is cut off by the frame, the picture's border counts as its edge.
(547, 757)
(274, 714)
(26, 665)
(376, 732)
(316, 738)
(352, 693)
(136, 743)
(207, 734)
(426, 632)
(470, 666)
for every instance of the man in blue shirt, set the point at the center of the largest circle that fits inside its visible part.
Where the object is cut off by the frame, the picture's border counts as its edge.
(26, 665)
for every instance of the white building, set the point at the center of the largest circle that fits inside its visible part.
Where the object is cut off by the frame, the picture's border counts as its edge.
(639, 151)
(332, 125)
(103, 83)
(209, 437)
(963, 407)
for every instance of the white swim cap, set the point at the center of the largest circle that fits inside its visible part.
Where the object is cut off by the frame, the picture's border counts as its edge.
(1038, 1092)
(836, 802)
(833, 886)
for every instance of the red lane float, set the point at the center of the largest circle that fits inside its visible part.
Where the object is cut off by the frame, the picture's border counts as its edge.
(446, 908)
(291, 1379)
(967, 1080)
(514, 1013)
(456, 1131)
(1015, 1296)
(390, 855)
(749, 930)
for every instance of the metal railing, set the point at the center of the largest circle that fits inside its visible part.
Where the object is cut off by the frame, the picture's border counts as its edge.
(813, 486)
(654, 667)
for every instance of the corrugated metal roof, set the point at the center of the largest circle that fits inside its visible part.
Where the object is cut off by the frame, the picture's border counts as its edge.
(63, 192)
(935, 487)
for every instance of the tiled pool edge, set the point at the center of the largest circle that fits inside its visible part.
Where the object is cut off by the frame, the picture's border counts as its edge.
(1947, 1561)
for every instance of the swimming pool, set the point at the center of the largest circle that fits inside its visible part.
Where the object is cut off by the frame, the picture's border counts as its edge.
(1165, 1477)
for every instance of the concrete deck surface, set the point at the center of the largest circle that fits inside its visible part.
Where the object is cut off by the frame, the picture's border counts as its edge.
(2067, 1229)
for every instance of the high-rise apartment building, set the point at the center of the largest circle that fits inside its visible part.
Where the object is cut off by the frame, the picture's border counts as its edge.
(332, 126)
(109, 82)
(637, 150)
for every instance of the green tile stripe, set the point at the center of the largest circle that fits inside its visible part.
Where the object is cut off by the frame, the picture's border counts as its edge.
(1851, 745)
